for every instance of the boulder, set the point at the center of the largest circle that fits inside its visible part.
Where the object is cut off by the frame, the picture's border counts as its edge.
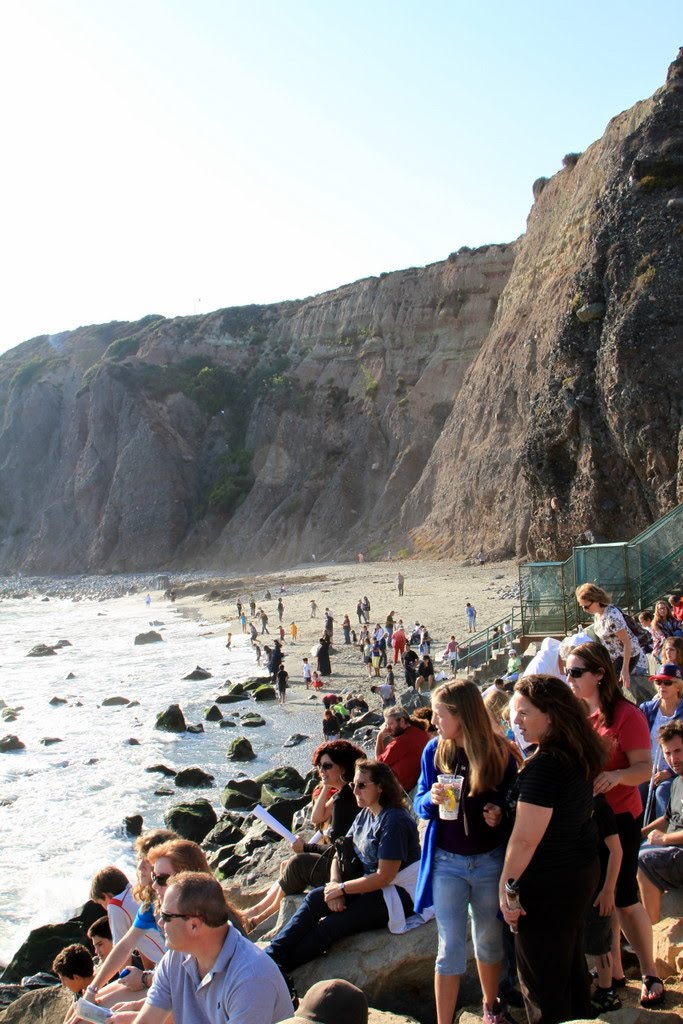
(150, 637)
(56, 701)
(285, 777)
(362, 722)
(258, 835)
(39, 1006)
(667, 945)
(591, 311)
(240, 795)
(194, 777)
(38, 951)
(227, 723)
(40, 651)
(191, 820)
(231, 698)
(283, 803)
(264, 692)
(71, 675)
(48, 741)
(196, 728)
(213, 714)
(163, 769)
(9, 743)
(63, 643)
(252, 720)
(295, 739)
(224, 833)
(133, 824)
(241, 750)
(171, 720)
(254, 682)
(411, 700)
(236, 689)
(164, 791)
(115, 702)
(8, 715)
(198, 673)
(133, 742)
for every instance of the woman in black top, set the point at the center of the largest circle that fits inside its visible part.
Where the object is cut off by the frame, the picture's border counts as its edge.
(333, 801)
(551, 854)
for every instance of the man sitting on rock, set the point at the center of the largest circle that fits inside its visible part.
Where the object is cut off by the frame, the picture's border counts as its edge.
(399, 745)
(210, 973)
(660, 863)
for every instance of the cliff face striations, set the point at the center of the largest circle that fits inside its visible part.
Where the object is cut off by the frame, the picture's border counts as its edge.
(519, 397)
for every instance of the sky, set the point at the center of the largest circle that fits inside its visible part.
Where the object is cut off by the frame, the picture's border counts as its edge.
(179, 156)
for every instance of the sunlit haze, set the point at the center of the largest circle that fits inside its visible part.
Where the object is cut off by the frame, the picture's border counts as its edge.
(174, 157)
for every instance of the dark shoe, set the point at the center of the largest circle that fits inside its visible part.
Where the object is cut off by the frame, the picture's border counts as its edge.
(648, 997)
(605, 999)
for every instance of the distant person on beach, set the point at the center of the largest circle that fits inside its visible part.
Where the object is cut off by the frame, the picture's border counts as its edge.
(482, 558)
(471, 613)
(253, 632)
(238, 605)
(452, 655)
(316, 681)
(243, 622)
(293, 631)
(314, 608)
(331, 726)
(264, 623)
(267, 596)
(411, 660)
(366, 608)
(282, 677)
(211, 972)
(346, 629)
(399, 745)
(252, 606)
(257, 652)
(228, 642)
(281, 633)
(275, 661)
(400, 581)
(306, 672)
(323, 656)
(280, 609)
(360, 612)
(386, 692)
(329, 623)
(398, 642)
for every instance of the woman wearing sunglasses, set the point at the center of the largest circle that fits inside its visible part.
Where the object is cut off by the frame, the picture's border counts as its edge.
(662, 709)
(624, 729)
(161, 861)
(609, 626)
(385, 841)
(333, 801)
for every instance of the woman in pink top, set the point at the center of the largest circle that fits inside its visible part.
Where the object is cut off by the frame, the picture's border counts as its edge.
(624, 728)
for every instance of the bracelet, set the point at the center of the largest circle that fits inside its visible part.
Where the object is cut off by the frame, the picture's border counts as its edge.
(147, 974)
(92, 988)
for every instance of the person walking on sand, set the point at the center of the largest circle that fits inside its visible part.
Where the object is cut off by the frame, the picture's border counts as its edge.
(306, 672)
(400, 580)
(229, 643)
(471, 613)
(280, 609)
(148, 600)
(314, 608)
(294, 631)
(243, 622)
(282, 677)
(264, 622)
(252, 606)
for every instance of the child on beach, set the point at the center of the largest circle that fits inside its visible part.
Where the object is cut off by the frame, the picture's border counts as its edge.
(598, 931)
(307, 674)
(281, 633)
(316, 681)
(293, 629)
(75, 970)
(257, 651)
(229, 643)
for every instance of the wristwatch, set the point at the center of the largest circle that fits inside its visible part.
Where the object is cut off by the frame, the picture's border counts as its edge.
(342, 886)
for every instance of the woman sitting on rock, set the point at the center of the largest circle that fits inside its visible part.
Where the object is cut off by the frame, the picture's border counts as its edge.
(387, 854)
(333, 801)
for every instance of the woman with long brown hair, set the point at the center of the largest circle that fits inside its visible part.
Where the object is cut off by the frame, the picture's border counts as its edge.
(624, 729)
(551, 859)
(462, 856)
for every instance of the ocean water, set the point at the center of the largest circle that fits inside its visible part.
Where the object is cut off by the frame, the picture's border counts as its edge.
(62, 806)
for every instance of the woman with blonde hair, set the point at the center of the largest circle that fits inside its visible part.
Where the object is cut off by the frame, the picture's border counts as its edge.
(462, 857)
(664, 625)
(609, 625)
(662, 709)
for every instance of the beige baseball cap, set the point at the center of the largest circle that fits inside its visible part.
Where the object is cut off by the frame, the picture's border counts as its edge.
(332, 1002)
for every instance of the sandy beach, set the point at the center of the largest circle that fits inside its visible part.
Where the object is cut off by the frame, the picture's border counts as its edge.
(435, 594)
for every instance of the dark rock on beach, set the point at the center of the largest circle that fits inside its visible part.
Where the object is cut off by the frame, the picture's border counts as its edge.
(162, 769)
(194, 777)
(252, 720)
(151, 637)
(241, 795)
(198, 673)
(195, 728)
(227, 723)
(9, 743)
(48, 741)
(71, 675)
(231, 698)
(171, 720)
(213, 714)
(40, 651)
(295, 739)
(241, 750)
(133, 742)
(43, 944)
(133, 824)
(56, 701)
(113, 702)
(63, 643)
(264, 692)
(254, 682)
(8, 715)
(285, 777)
(191, 820)
(283, 803)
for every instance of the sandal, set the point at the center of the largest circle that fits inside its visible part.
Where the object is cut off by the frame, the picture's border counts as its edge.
(616, 982)
(649, 982)
(605, 999)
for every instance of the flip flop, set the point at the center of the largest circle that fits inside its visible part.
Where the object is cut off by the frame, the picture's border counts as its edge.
(649, 981)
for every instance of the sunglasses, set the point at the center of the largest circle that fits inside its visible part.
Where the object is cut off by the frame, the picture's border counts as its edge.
(665, 682)
(361, 785)
(161, 880)
(576, 673)
(165, 916)
(325, 766)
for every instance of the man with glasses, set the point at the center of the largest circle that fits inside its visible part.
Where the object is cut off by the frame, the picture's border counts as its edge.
(660, 862)
(211, 974)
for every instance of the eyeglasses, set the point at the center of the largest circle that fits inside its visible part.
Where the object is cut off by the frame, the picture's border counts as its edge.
(161, 880)
(325, 766)
(665, 682)
(362, 785)
(165, 916)
(586, 606)
(576, 673)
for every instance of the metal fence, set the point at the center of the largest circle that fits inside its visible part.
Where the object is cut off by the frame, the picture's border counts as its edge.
(634, 573)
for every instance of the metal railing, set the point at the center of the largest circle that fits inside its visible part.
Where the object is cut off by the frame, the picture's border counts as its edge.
(485, 644)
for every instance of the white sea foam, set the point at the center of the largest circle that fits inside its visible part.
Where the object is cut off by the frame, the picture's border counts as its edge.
(67, 801)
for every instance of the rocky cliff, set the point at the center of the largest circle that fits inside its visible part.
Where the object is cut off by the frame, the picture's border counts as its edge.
(517, 397)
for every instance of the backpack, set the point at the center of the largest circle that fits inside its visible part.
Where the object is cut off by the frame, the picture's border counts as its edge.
(642, 635)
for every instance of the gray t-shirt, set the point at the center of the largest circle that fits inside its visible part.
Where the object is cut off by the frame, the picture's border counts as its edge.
(392, 835)
(674, 812)
(244, 986)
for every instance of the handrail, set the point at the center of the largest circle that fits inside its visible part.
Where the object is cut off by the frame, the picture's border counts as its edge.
(480, 646)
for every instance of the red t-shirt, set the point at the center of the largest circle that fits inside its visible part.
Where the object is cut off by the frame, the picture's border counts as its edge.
(403, 755)
(628, 731)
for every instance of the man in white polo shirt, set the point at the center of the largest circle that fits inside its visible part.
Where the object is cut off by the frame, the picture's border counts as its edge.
(211, 974)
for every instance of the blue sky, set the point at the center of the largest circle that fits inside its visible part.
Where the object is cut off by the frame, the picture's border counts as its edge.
(175, 157)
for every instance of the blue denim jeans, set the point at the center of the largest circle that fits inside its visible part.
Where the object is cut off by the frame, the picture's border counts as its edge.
(461, 884)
